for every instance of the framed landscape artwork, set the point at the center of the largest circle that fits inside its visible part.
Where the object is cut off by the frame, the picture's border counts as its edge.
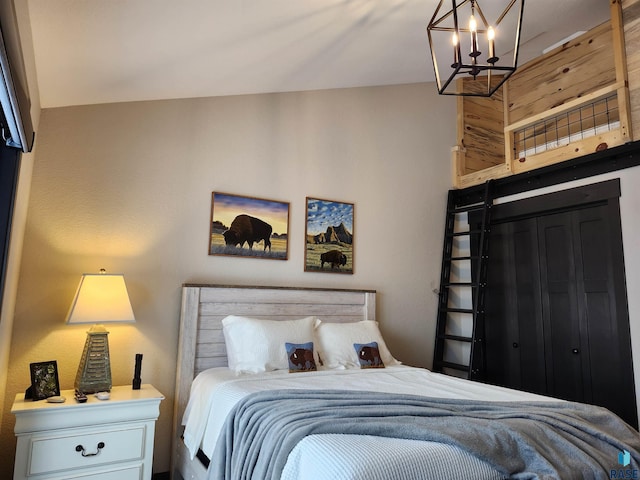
(248, 227)
(329, 236)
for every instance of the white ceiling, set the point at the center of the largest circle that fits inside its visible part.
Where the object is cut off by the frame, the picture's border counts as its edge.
(103, 51)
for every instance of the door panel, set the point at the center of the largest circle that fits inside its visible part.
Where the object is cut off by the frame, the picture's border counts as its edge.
(609, 374)
(515, 350)
(528, 307)
(598, 306)
(559, 307)
(502, 360)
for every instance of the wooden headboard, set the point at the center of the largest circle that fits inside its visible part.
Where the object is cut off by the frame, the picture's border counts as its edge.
(201, 341)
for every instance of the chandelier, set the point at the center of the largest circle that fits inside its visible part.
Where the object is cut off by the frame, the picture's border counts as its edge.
(471, 55)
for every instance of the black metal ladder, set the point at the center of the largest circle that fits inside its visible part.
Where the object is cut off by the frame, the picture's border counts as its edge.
(475, 257)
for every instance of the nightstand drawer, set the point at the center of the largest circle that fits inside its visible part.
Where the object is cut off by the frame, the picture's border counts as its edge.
(76, 450)
(129, 473)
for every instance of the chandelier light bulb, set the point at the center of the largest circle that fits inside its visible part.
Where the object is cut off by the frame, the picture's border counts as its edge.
(473, 28)
(491, 35)
(454, 42)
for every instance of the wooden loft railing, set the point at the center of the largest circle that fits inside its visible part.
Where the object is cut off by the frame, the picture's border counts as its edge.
(579, 127)
(571, 102)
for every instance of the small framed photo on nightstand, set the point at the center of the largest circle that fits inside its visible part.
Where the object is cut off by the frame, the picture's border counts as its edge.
(44, 379)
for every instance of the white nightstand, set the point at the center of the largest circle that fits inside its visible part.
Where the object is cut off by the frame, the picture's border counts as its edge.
(98, 440)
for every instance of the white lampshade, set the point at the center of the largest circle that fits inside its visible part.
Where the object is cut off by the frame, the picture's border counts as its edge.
(101, 298)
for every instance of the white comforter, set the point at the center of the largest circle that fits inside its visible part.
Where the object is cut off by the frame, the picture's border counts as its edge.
(364, 457)
(214, 393)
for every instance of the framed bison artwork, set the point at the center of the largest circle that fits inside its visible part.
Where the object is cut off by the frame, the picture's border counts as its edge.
(329, 236)
(248, 227)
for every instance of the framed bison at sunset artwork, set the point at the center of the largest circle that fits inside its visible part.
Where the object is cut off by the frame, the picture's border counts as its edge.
(248, 227)
(329, 236)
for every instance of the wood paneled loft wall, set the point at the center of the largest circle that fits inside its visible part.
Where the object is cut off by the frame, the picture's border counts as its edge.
(570, 102)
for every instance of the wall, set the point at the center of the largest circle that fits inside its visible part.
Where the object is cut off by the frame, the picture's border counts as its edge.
(127, 187)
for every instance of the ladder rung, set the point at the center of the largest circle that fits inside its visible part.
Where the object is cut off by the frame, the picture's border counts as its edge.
(456, 310)
(468, 208)
(455, 366)
(464, 234)
(454, 259)
(457, 338)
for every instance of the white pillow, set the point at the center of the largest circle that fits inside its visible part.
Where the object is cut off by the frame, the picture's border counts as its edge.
(335, 343)
(256, 345)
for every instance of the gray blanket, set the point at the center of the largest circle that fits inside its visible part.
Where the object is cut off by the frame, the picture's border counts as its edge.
(522, 440)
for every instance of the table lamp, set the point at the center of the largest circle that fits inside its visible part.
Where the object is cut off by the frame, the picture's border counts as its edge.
(100, 298)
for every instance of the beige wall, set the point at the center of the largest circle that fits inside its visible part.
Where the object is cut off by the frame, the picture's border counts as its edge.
(127, 187)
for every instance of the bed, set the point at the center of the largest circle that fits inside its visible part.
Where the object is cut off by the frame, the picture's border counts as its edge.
(372, 422)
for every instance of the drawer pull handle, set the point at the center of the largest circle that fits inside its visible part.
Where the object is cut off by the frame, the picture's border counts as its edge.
(80, 448)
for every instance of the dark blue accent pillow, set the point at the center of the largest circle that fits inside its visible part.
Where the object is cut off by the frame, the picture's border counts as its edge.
(300, 357)
(368, 355)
